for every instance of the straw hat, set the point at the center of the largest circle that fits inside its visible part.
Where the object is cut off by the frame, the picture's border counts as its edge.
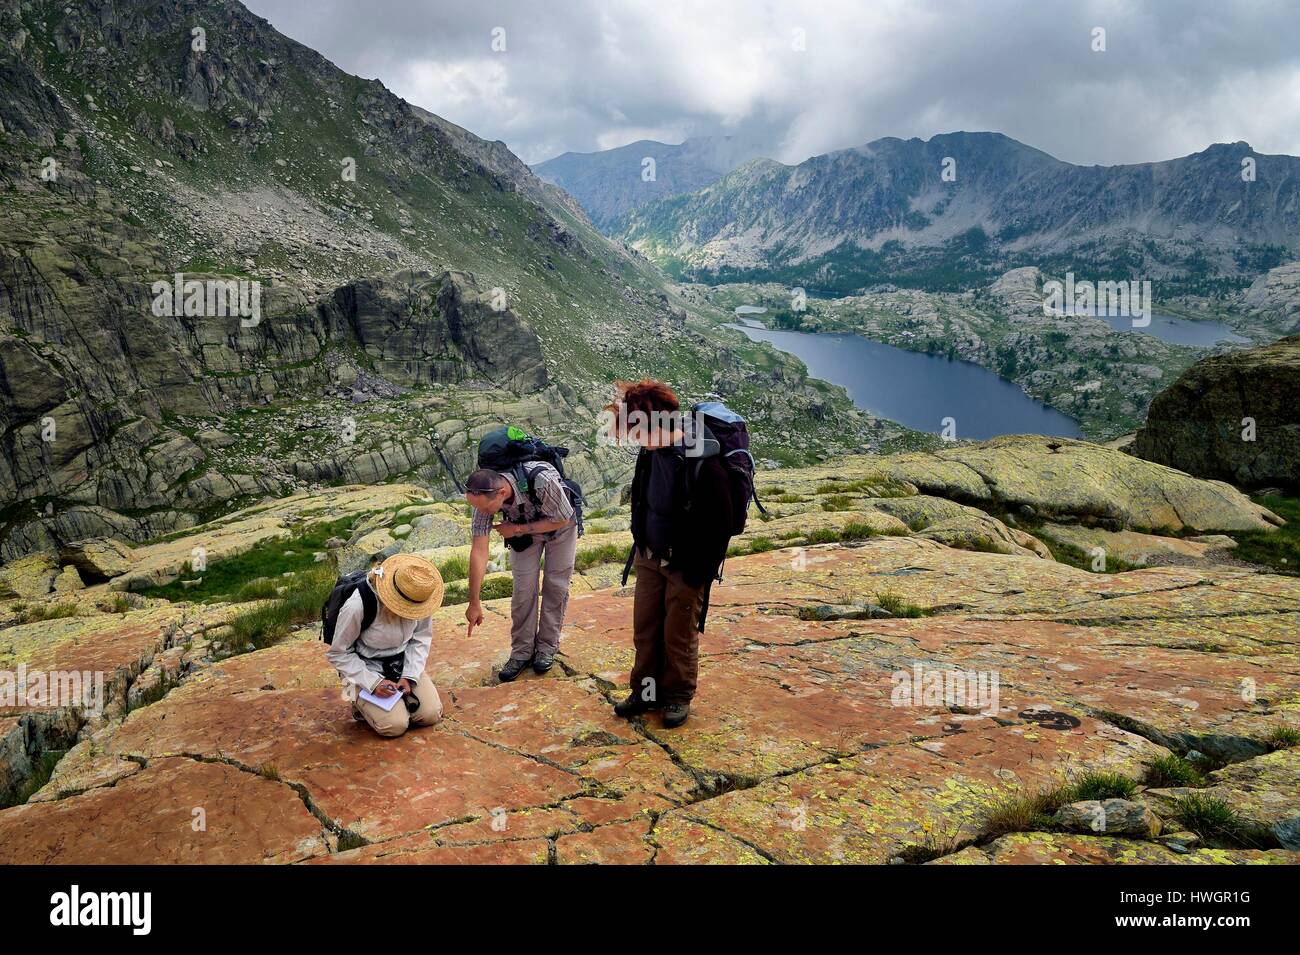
(408, 585)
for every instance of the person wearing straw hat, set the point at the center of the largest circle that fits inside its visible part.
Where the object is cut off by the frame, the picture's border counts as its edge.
(388, 656)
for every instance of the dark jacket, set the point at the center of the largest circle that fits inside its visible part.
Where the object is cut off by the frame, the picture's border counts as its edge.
(696, 524)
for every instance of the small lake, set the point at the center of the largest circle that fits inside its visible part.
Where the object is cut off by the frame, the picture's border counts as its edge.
(918, 390)
(1177, 331)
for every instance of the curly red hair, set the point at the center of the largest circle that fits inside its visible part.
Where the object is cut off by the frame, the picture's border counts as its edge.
(646, 399)
(646, 395)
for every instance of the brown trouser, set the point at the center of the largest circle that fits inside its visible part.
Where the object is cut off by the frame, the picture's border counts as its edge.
(665, 615)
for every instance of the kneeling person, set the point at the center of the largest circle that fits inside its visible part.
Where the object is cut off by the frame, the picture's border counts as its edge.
(386, 655)
(535, 525)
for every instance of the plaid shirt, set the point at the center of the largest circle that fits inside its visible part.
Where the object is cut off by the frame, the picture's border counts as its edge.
(519, 509)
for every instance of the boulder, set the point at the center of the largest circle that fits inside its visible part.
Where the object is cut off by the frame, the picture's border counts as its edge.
(976, 530)
(1232, 417)
(436, 530)
(31, 576)
(68, 581)
(1074, 482)
(1114, 817)
(1134, 547)
(101, 558)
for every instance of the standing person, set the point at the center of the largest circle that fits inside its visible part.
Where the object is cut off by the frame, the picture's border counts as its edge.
(537, 522)
(681, 525)
(380, 640)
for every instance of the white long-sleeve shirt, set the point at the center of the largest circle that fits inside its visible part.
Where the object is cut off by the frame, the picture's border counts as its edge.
(353, 651)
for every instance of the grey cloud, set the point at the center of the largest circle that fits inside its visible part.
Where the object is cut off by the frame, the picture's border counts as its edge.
(587, 74)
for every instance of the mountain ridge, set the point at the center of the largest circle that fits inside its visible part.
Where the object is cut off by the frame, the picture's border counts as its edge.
(608, 183)
(1192, 215)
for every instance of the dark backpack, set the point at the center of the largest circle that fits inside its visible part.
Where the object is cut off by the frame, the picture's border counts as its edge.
(732, 434)
(509, 450)
(344, 588)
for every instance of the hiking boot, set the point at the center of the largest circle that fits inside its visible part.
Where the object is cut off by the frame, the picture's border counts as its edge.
(633, 705)
(512, 669)
(675, 714)
(542, 663)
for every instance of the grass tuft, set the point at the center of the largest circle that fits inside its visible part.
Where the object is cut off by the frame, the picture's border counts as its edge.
(897, 606)
(1283, 737)
(604, 554)
(273, 620)
(1023, 812)
(1278, 549)
(454, 568)
(1101, 785)
(1165, 772)
(1212, 818)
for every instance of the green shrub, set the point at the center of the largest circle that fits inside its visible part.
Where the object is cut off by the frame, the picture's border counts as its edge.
(1024, 812)
(838, 502)
(227, 576)
(1213, 819)
(265, 589)
(899, 607)
(604, 554)
(1100, 785)
(1283, 737)
(266, 624)
(454, 568)
(1165, 772)
(497, 587)
(857, 531)
(32, 613)
(1277, 549)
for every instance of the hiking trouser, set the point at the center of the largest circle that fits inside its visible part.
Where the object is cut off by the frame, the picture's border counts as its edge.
(665, 621)
(536, 632)
(396, 721)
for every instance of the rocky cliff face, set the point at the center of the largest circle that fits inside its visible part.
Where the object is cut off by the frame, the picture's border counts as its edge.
(1274, 298)
(832, 208)
(1233, 417)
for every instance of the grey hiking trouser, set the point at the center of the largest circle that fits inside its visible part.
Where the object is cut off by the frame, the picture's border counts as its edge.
(537, 633)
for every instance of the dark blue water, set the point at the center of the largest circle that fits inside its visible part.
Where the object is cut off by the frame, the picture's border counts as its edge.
(920, 390)
(1177, 331)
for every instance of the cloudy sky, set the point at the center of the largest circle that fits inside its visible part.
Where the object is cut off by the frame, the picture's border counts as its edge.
(802, 78)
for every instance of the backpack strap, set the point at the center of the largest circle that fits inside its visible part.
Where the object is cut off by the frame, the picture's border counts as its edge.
(753, 471)
(524, 476)
(627, 568)
(369, 603)
(704, 605)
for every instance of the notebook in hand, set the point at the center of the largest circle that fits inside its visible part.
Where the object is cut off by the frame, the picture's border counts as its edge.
(385, 703)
